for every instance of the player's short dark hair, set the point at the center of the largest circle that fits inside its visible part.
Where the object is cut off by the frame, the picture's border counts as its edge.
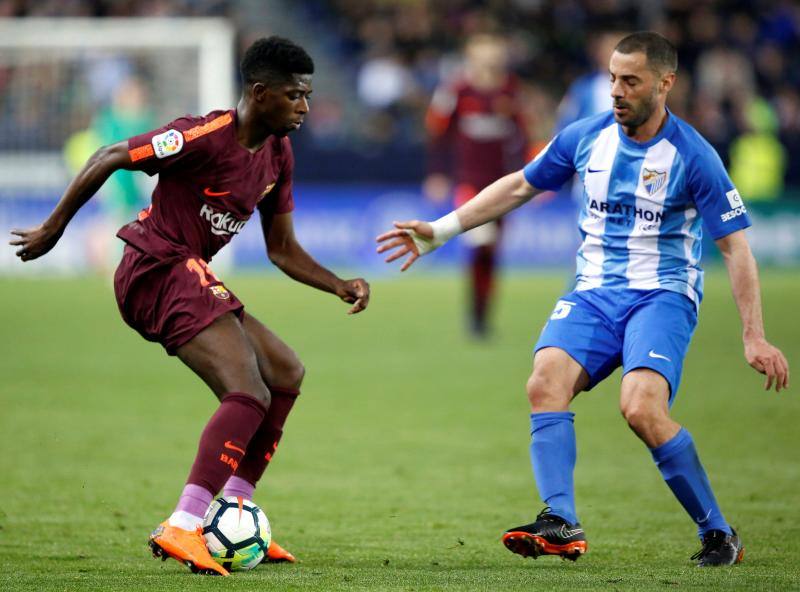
(273, 60)
(661, 54)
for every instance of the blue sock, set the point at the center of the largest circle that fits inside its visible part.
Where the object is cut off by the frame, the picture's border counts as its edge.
(679, 465)
(553, 458)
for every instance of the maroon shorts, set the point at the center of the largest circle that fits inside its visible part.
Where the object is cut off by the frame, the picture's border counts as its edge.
(170, 301)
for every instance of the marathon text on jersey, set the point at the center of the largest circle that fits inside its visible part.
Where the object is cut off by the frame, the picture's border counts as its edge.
(626, 210)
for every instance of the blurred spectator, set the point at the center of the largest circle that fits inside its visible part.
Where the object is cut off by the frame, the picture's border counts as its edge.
(731, 53)
(476, 136)
(758, 159)
(590, 94)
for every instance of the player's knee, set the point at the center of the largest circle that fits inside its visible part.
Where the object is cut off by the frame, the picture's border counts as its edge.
(296, 373)
(262, 394)
(242, 376)
(288, 374)
(640, 414)
(545, 393)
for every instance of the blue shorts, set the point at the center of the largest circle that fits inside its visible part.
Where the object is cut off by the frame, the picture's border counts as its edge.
(605, 328)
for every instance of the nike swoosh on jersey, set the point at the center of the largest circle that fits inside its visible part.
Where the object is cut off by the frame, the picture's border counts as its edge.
(653, 354)
(591, 170)
(210, 193)
(231, 446)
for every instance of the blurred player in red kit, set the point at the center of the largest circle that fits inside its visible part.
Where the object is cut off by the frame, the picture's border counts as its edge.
(214, 172)
(477, 134)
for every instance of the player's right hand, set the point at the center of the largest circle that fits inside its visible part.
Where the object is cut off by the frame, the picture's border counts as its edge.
(35, 242)
(413, 238)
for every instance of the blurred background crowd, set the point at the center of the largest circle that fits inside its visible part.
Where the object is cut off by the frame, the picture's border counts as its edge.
(379, 62)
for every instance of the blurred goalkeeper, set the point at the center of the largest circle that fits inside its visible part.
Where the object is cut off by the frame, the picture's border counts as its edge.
(214, 172)
(650, 182)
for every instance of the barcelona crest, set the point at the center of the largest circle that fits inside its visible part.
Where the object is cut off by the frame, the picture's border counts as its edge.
(220, 292)
(653, 180)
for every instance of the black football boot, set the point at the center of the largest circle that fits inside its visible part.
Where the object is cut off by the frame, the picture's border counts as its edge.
(549, 535)
(719, 548)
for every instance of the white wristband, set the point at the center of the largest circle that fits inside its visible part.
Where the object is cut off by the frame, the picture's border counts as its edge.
(445, 228)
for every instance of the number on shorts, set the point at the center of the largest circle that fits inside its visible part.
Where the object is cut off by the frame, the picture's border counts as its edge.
(202, 270)
(562, 309)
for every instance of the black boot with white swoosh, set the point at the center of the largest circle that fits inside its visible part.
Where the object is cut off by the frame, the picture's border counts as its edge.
(719, 548)
(549, 535)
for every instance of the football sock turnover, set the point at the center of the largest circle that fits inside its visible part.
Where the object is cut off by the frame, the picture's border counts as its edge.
(191, 508)
(238, 487)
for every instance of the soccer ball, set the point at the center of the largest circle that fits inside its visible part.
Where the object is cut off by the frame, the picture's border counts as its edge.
(237, 533)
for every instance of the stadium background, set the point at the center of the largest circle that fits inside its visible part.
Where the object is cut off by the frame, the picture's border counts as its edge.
(403, 419)
(361, 154)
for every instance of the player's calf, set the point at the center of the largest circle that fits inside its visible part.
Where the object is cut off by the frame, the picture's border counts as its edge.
(549, 535)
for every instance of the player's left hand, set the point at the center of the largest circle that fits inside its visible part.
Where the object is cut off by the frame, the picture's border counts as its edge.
(769, 360)
(355, 292)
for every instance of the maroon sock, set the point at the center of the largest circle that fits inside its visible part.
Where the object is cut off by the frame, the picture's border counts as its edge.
(264, 442)
(225, 439)
(482, 280)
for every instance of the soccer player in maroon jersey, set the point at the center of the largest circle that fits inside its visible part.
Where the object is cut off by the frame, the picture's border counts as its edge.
(477, 135)
(214, 171)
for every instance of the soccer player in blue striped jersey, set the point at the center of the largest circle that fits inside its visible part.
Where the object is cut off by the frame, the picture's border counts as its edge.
(650, 181)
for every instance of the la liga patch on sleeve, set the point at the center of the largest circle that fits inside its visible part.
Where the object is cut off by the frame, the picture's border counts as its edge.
(167, 144)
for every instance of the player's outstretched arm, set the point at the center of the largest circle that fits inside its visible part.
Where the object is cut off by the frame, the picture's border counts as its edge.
(416, 238)
(287, 254)
(743, 273)
(35, 242)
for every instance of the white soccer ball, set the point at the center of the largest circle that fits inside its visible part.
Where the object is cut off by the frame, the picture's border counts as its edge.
(237, 533)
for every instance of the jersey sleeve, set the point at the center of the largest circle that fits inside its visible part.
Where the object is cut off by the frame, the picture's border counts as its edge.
(555, 164)
(170, 147)
(717, 200)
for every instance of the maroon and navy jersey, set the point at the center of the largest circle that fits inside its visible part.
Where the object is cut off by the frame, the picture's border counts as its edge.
(208, 185)
(476, 136)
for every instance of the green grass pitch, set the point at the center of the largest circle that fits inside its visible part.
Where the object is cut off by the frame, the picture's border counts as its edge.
(406, 457)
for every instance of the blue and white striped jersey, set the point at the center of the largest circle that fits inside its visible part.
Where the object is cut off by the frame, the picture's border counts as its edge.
(639, 219)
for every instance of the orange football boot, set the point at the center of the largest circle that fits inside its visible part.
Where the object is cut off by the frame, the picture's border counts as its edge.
(186, 546)
(277, 554)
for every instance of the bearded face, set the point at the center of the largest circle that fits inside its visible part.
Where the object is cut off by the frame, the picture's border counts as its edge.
(637, 90)
(634, 111)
